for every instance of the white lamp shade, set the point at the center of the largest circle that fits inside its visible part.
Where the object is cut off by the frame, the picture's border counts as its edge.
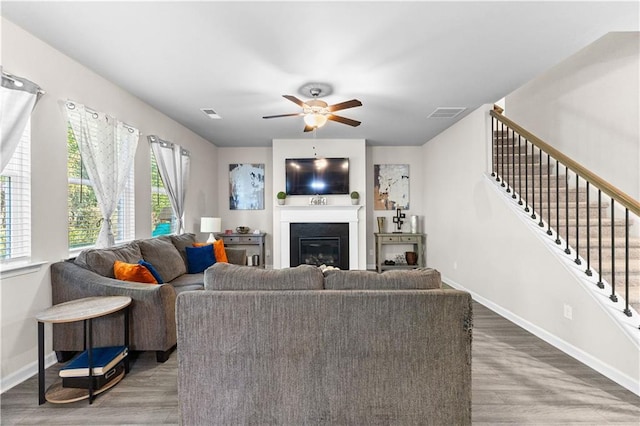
(211, 225)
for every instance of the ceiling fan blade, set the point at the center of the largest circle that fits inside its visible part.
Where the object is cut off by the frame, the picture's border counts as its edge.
(283, 115)
(308, 128)
(294, 100)
(344, 105)
(343, 120)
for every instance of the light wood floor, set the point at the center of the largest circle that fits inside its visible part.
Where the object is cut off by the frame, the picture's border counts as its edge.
(517, 379)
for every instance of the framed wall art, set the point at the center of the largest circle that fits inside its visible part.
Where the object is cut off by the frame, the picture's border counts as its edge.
(246, 186)
(390, 186)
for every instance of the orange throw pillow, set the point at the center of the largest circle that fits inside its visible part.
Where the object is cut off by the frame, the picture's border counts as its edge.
(218, 250)
(133, 272)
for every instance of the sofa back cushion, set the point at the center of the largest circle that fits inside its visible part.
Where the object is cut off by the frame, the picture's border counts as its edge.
(164, 256)
(225, 276)
(101, 261)
(414, 279)
(182, 241)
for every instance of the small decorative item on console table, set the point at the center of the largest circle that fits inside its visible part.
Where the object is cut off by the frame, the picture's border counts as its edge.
(80, 310)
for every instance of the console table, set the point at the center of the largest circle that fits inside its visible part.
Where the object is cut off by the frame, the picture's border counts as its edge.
(416, 240)
(79, 310)
(237, 239)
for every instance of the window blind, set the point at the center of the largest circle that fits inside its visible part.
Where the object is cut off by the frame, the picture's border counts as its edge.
(15, 202)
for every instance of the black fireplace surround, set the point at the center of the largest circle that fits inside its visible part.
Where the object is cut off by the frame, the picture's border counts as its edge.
(319, 243)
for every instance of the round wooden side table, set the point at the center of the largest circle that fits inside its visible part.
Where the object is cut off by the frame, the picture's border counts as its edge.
(79, 310)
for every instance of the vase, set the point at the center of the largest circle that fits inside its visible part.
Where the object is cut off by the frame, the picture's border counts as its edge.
(414, 224)
(411, 257)
(281, 201)
(381, 224)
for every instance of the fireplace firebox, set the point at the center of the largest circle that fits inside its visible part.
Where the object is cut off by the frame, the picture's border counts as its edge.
(320, 244)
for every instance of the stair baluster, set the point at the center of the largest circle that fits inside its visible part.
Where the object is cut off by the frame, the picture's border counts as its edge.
(626, 311)
(600, 283)
(588, 270)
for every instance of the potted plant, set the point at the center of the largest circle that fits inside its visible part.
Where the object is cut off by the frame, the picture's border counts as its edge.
(355, 197)
(281, 196)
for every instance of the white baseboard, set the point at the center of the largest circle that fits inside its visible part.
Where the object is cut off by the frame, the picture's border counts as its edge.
(630, 383)
(26, 372)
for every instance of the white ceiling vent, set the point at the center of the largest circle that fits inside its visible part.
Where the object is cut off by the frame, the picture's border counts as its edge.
(210, 113)
(446, 112)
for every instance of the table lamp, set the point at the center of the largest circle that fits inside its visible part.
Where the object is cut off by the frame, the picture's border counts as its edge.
(211, 225)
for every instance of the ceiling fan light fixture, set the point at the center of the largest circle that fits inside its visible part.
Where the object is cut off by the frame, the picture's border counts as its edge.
(315, 120)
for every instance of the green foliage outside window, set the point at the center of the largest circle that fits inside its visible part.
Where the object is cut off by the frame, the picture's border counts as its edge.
(84, 213)
(162, 220)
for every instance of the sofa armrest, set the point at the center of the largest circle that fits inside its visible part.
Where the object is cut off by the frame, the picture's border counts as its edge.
(152, 314)
(237, 256)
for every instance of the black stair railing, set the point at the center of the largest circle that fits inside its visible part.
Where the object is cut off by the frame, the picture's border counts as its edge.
(517, 152)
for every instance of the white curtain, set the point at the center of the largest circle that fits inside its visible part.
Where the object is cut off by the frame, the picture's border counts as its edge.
(18, 98)
(173, 165)
(107, 148)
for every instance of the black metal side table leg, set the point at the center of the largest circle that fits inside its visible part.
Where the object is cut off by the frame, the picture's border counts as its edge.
(89, 335)
(126, 338)
(41, 390)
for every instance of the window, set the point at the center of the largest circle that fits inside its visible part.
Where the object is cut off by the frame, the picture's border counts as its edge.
(15, 202)
(84, 212)
(162, 219)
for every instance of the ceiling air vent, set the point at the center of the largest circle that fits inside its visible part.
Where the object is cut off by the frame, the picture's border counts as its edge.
(446, 112)
(210, 113)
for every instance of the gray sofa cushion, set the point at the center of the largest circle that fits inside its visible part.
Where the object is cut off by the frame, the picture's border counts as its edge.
(182, 241)
(414, 279)
(164, 256)
(101, 261)
(224, 276)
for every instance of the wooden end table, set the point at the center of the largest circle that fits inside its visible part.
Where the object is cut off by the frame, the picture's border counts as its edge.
(80, 310)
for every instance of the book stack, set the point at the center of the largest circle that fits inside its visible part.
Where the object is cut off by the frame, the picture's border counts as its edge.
(107, 364)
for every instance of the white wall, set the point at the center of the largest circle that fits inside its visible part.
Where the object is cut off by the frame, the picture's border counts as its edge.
(354, 149)
(22, 297)
(478, 243)
(411, 155)
(588, 107)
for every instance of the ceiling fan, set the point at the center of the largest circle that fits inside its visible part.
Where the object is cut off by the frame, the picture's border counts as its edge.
(316, 112)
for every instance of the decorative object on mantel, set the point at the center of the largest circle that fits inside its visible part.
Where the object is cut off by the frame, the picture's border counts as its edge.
(355, 198)
(318, 200)
(390, 186)
(381, 220)
(281, 196)
(211, 225)
(246, 186)
(397, 219)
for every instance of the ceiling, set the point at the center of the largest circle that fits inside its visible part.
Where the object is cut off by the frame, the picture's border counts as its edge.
(401, 59)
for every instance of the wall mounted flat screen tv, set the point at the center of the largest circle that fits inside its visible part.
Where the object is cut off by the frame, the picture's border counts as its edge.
(317, 176)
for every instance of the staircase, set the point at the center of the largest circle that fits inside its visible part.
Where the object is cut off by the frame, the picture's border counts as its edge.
(593, 227)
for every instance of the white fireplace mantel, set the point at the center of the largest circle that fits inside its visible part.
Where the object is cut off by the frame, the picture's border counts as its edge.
(319, 214)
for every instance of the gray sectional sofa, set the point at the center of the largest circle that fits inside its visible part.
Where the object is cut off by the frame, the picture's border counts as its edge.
(152, 319)
(296, 347)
